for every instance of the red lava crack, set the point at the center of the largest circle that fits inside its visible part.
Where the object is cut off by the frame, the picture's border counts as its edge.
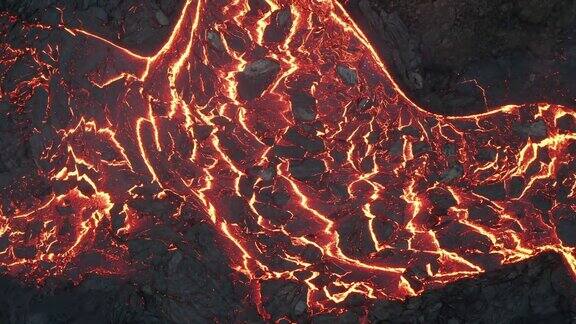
(283, 127)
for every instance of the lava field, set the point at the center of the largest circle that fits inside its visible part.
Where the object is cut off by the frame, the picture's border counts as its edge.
(260, 163)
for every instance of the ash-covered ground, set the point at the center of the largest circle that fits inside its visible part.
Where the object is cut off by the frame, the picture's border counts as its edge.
(515, 51)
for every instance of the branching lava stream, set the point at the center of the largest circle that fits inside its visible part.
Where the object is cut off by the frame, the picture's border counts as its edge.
(282, 126)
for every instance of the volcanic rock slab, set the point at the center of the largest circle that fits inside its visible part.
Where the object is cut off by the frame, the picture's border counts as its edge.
(256, 162)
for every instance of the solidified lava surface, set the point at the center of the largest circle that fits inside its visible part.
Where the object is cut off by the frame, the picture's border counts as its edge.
(277, 125)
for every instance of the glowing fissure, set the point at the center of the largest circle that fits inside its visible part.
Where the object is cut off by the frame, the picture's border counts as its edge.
(394, 200)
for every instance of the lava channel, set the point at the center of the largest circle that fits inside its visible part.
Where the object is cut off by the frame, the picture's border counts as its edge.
(284, 130)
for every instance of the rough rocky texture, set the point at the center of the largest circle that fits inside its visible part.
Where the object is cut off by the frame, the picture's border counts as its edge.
(192, 282)
(140, 25)
(256, 77)
(536, 291)
(462, 57)
(531, 292)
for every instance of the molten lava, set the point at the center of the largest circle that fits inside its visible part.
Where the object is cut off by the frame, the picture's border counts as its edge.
(282, 126)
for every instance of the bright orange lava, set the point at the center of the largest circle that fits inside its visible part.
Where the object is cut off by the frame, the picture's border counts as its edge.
(400, 200)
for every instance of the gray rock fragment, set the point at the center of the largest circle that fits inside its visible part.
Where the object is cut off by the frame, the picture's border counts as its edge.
(395, 36)
(310, 143)
(566, 230)
(300, 308)
(454, 172)
(256, 77)
(174, 261)
(307, 169)
(279, 27)
(537, 129)
(215, 40)
(416, 80)
(161, 18)
(267, 174)
(303, 107)
(365, 104)
(261, 67)
(348, 75)
(495, 191)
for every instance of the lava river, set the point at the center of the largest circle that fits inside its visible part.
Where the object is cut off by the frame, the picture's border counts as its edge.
(282, 127)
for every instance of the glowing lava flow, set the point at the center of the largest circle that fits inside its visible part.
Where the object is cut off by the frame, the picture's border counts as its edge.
(282, 126)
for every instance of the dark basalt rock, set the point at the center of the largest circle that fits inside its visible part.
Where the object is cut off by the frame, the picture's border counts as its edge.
(215, 40)
(306, 169)
(303, 107)
(293, 152)
(442, 199)
(567, 123)
(566, 229)
(348, 75)
(495, 191)
(183, 276)
(256, 77)
(527, 292)
(464, 57)
(310, 143)
(281, 22)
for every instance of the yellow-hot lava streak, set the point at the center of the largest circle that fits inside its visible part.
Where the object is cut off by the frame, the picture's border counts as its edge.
(284, 128)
